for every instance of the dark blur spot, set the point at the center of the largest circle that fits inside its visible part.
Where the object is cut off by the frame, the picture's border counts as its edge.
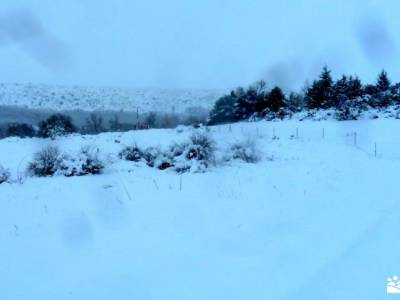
(375, 40)
(24, 29)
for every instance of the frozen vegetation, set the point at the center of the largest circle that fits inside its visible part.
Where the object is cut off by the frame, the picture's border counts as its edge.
(262, 210)
(61, 98)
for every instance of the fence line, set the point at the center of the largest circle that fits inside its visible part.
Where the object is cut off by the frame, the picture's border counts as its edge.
(362, 142)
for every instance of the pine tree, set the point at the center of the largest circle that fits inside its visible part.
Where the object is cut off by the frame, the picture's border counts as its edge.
(383, 83)
(223, 110)
(340, 91)
(383, 96)
(319, 95)
(276, 99)
(262, 103)
(354, 88)
(370, 89)
(246, 105)
(346, 88)
(295, 101)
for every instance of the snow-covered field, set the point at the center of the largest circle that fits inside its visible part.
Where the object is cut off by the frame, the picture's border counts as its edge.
(60, 98)
(317, 218)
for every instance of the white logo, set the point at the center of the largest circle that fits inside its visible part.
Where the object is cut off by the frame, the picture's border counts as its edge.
(393, 285)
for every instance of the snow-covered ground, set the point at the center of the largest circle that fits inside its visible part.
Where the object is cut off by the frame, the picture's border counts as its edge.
(317, 218)
(60, 98)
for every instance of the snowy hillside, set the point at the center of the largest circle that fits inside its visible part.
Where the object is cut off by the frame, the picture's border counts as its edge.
(96, 98)
(317, 218)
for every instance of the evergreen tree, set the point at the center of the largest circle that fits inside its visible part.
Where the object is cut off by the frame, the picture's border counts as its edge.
(276, 99)
(383, 83)
(395, 91)
(354, 87)
(370, 89)
(246, 105)
(295, 102)
(340, 91)
(56, 125)
(223, 110)
(262, 103)
(319, 95)
(346, 88)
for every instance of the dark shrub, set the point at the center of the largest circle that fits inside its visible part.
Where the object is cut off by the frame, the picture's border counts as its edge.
(45, 162)
(150, 155)
(352, 109)
(281, 114)
(196, 155)
(84, 163)
(4, 175)
(132, 153)
(201, 147)
(50, 161)
(56, 125)
(164, 165)
(20, 129)
(157, 159)
(91, 164)
(94, 124)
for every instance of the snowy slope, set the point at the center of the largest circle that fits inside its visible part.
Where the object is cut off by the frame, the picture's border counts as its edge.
(107, 98)
(317, 218)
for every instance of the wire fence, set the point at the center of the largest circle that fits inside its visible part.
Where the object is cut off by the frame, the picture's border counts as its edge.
(371, 139)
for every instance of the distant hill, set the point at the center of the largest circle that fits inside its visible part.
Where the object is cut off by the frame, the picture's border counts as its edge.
(53, 97)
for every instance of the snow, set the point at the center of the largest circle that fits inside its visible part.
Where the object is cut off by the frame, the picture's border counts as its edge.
(52, 97)
(316, 218)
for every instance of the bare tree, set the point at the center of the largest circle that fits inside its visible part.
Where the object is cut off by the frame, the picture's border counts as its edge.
(94, 124)
(260, 87)
(151, 119)
(115, 124)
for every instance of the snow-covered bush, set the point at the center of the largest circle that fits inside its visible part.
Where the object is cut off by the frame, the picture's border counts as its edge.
(352, 109)
(84, 163)
(155, 158)
(381, 99)
(246, 151)
(196, 155)
(56, 125)
(45, 162)
(201, 147)
(131, 153)
(50, 161)
(4, 174)
(281, 114)
(152, 156)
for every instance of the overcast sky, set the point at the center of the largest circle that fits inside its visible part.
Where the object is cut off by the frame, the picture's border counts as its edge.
(195, 44)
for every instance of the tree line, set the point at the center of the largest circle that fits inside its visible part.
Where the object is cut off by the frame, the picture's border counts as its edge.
(348, 95)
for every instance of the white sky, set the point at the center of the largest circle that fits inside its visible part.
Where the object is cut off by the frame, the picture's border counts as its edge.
(195, 44)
